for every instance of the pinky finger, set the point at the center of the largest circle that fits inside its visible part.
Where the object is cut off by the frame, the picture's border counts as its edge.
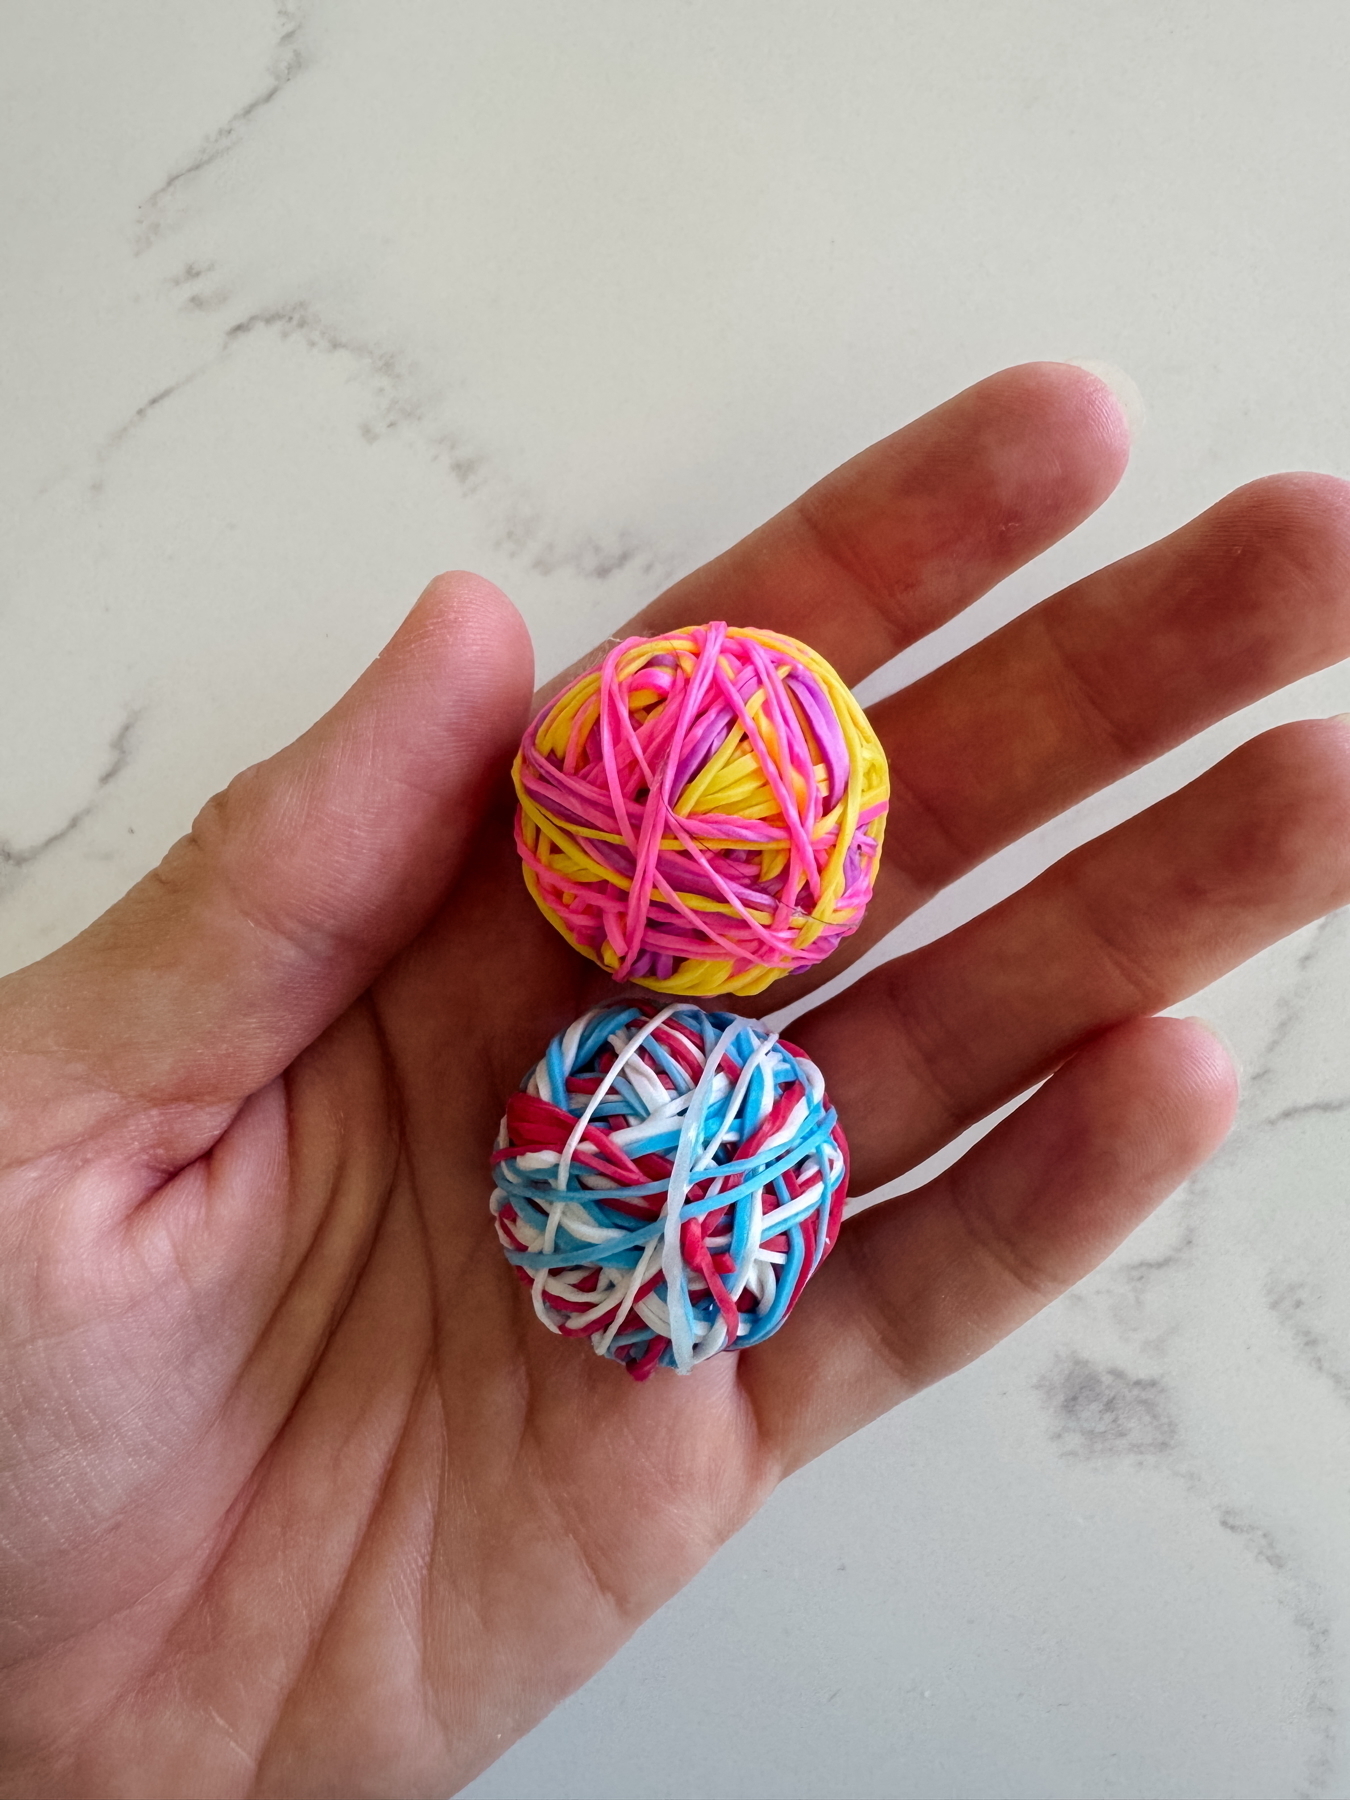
(922, 1285)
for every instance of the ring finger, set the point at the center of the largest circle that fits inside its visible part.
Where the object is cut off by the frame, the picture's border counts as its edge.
(1126, 925)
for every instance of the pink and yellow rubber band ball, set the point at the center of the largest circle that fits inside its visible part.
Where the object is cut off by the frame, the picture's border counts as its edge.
(704, 811)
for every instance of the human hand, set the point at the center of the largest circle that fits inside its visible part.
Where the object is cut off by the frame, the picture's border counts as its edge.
(298, 1496)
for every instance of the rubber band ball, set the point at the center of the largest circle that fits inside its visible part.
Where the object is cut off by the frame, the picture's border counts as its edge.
(667, 1181)
(703, 812)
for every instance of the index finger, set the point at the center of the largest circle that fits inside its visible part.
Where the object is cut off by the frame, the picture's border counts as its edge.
(908, 533)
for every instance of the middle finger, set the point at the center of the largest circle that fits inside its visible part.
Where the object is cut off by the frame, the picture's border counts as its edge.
(1101, 678)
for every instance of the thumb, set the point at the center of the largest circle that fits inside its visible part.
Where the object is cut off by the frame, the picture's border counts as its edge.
(293, 888)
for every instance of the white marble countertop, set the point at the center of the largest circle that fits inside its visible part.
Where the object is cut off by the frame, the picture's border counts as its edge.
(305, 302)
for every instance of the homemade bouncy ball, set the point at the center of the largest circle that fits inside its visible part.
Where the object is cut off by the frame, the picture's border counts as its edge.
(703, 812)
(667, 1180)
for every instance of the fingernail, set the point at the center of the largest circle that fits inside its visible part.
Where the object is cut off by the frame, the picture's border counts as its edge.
(1219, 1038)
(1128, 397)
(1340, 718)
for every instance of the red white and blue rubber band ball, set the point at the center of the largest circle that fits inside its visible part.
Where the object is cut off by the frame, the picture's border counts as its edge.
(667, 1181)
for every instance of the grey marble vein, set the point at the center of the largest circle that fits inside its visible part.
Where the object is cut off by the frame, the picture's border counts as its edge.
(288, 60)
(107, 449)
(403, 396)
(1322, 939)
(1102, 1411)
(1292, 1302)
(394, 382)
(15, 858)
(1302, 1109)
(1308, 1613)
(403, 400)
(1129, 1405)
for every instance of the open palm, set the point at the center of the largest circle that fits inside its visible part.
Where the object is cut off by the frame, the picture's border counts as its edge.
(298, 1497)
